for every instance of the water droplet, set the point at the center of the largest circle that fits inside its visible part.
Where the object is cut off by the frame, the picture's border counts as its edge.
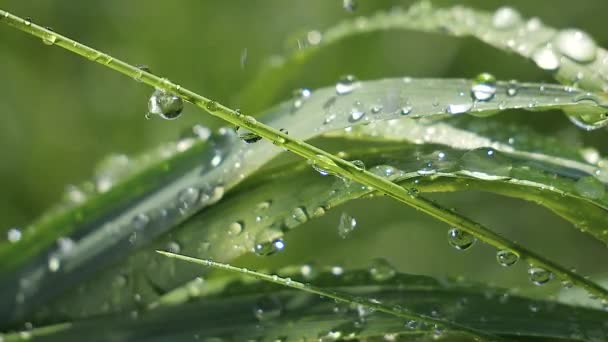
(512, 88)
(376, 109)
(166, 105)
(188, 197)
(300, 96)
(546, 58)
(250, 137)
(506, 18)
(269, 247)
(268, 308)
(324, 165)
(337, 270)
(13, 235)
(360, 165)
(309, 272)
(173, 247)
(539, 276)
(381, 270)
(299, 214)
(49, 38)
(54, 263)
(483, 87)
(262, 206)
(27, 22)
(458, 108)
(460, 239)
(576, 45)
(590, 187)
(346, 85)
(486, 163)
(349, 5)
(356, 112)
(506, 258)
(347, 225)
(212, 106)
(405, 110)
(236, 228)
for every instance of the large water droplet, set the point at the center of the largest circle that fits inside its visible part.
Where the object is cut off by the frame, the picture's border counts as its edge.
(13, 235)
(347, 225)
(506, 18)
(268, 308)
(346, 85)
(576, 45)
(381, 270)
(546, 58)
(166, 105)
(539, 276)
(269, 247)
(236, 228)
(173, 247)
(483, 87)
(299, 214)
(486, 163)
(506, 258)
(590, 187)
(460, 239)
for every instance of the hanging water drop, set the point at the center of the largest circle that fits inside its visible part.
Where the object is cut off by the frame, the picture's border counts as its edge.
(506, 18)
(13, 235)
(166, 105)
(590, 187)
(546, 58)
(359, 165)
(539, 276)
(381, 270)
(299, 214)
(576, 45)
(346, 85)
(506, 258)
(483, 87)
(347, 225)
(460, 239)
(269, 247)
(324, 165)
(268, 308)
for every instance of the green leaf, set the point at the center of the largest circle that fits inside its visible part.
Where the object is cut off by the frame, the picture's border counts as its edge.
(232, 311)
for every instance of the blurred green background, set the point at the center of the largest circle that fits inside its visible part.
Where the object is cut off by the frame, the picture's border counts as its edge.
(61, 114)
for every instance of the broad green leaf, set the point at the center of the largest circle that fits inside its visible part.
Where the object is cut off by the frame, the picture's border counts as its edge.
(241, 308)
(228, 162)
(573, 61)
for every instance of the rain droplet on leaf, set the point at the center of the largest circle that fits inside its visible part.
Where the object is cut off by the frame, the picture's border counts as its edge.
(460, 239)
(483, 87)
(166, 105)
(539, 276)
(506, 258)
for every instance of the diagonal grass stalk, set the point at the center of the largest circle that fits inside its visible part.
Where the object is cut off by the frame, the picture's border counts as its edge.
(317, 156)
(339, 297)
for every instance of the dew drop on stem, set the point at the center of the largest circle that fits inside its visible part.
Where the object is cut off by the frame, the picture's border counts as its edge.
(460, 239)
(166, 105)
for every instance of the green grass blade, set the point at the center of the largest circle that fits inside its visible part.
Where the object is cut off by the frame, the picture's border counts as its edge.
(524, 38)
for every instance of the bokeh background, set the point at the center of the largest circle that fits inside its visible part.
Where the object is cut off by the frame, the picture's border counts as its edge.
(60, 114)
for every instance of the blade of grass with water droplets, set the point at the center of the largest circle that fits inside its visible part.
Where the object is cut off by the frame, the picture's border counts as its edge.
(340, 297)
(297, 315)
(527, 38)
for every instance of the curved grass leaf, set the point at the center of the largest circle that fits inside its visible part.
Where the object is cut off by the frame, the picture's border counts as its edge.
(231, 312)
(530, 39)
(230, 161)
